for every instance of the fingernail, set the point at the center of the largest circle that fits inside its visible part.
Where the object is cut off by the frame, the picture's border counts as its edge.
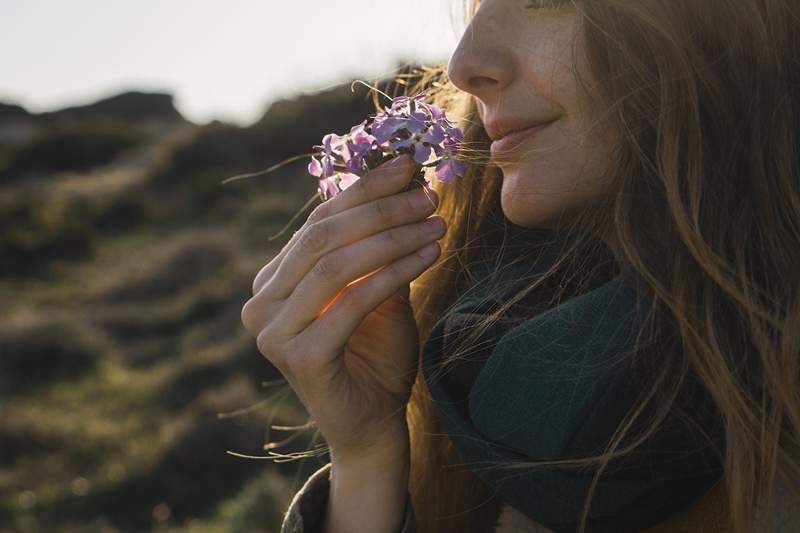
(430, 250)
(420, 198)
(433, 196)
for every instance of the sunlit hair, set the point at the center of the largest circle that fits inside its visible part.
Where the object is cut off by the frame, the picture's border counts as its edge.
(704, 211)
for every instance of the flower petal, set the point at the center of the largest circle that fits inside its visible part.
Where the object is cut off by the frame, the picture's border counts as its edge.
(421, 153)
(327, 166)
(401, 143)
(416, 122)
(435, 135)
(354, 164)
(346, 179)
(386, 129)
(314, 167)
(327, 188)
(444, 171)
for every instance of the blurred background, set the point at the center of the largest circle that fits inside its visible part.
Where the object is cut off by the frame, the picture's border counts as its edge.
(126, 376)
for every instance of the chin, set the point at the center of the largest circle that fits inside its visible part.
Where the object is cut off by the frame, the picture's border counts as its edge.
(521, 215)
(529, 210)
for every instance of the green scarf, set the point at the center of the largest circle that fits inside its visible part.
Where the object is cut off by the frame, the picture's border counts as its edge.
(555, 383)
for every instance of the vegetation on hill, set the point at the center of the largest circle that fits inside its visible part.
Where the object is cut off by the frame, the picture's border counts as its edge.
(126, 374)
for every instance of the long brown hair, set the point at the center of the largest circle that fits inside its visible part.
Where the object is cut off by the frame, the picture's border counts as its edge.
(704, 215)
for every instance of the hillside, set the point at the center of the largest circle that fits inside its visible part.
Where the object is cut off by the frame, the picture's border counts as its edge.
(126, 373)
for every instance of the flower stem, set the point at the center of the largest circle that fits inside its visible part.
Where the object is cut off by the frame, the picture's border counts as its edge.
(267, 171)
(288, 224)
(418, 181)
(370, 87)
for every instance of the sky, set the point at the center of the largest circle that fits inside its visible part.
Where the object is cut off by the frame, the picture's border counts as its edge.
(221, 60)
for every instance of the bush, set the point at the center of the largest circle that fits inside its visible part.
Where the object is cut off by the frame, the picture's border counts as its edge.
(42, 351)
(165, 270)
(38, 229)
(74, 147)
(194, 471)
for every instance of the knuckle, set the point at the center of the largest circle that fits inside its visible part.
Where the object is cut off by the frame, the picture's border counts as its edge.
(384, 209)
(267, 344)
(314, 238)
(352, 299)
(397, 237)
(249, 317)
(319, 213)
(328, 267)
(409, 203)
(363, 188)
(394, 270)
(422, 231)
(267, 296)
(262, 277)
(299, 361)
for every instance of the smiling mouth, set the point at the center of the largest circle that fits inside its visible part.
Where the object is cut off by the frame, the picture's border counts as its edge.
(512, 140)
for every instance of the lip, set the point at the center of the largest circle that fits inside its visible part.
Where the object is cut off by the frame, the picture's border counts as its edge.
(510, 141)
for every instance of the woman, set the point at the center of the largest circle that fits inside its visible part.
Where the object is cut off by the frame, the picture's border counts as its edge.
(659, 199)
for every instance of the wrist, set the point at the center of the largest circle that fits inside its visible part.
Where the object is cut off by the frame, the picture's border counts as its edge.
(388, 450)
(368, 496)
(392, 458)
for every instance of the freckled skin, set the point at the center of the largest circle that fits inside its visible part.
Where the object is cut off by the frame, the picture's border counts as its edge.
(519, 62)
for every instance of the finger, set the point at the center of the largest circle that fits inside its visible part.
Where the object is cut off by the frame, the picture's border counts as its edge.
(387, 179)
(266, 272)
(335, 270)
(325, 237)
(343, 316)
(257, 312)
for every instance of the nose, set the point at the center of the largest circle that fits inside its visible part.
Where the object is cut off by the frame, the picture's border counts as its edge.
(482, 63)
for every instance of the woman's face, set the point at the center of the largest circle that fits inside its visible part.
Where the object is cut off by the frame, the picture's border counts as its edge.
(516, 59)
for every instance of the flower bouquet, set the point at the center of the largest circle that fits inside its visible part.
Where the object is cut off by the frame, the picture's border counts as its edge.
(407, 126)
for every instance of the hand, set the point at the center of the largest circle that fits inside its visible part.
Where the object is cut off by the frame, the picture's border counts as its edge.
(331, 310)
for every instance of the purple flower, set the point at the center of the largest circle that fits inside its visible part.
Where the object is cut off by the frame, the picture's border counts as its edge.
(422, 136)
(362, 143)
(439, 117)
(324, 168)
(408, 125)
(327, 187)
(315, 168)
(402, 101)
(448, 167)
(435, 112)
(346, 179)
(359, 135)
(386, 126)
(330, 187)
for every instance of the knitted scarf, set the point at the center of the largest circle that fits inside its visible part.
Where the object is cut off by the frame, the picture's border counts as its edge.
(555, 383)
